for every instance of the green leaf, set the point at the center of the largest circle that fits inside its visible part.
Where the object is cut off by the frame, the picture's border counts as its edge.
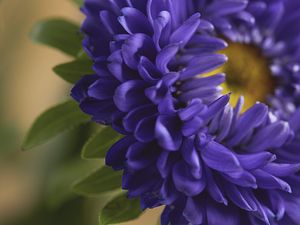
(53, 122)
(60, 181)
(9, 137)
(73, 71)
(98, 145)
(82, 55)
(78, 2)
(58, 33)
(103, 180)
(119, 210)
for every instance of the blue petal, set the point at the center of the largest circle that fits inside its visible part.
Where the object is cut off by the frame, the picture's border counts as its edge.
(165, 56)
(218, 157)
(116, 155)
(132, 119)
(271, 136)
(103, 88)
(184, 33)
(191, 157)
(242, 197)
(255, 161)
(218, 8)
(216, 213)
(185, 182)
(130, 95)
(203, 64)
(134, 21)
(140, 156)
(268, 181)
(194, 108)
(213, 189)
(79, 91)
(167, 132)
(281, 169)
(194, 211)
(251, 119)
(145, 129)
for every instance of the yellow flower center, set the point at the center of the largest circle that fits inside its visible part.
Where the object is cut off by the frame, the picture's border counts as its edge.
(247, 73)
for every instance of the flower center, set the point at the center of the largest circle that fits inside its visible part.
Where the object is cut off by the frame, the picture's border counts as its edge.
(247, 73)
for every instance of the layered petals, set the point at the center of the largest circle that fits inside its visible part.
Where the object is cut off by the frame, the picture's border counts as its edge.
(158, 82)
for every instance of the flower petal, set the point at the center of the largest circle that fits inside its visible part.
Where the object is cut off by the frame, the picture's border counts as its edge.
(165, 56)
(282, 170)
(255, 161)
(191, 157)
(220, 158)
(271, 136)
(140, 156)
(103, 88)
(132, 119)
(185, 182)
(145, 129)
(116, 155)
(203, 64)
(251, 119)
(194, 211)
(216, 213)
(134, 21)
(268, 181)
(79, 91)
(167, 132)
(130, 95)
(184, 33)
(213, 189)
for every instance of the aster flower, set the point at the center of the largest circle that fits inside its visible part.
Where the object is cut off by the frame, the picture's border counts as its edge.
(157, 81)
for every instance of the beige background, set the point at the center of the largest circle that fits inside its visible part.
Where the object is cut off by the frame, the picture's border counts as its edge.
(28, 86)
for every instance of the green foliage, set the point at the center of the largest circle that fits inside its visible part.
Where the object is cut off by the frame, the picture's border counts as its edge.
(77, 211)
(65, 36)
(8, 136)
(60, 183)
(119, 210)
(99, 182)
(83, 55)
(73, 71)
(97, 146)
(53, 122)
(60, 34)
(78, 2)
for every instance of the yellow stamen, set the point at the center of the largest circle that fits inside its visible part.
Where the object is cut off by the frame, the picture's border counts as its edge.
(247, 73)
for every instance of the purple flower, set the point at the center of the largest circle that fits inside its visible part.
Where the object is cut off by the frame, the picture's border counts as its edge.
(185, 146)
(143, 56)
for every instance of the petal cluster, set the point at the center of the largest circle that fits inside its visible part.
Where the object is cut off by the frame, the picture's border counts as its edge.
(227, 169)
(184, 146)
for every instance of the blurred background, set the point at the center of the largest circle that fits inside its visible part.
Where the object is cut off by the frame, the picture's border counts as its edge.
(35, 186)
